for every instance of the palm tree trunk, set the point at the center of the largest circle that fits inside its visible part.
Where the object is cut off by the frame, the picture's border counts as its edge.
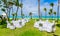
(6, 13)
(31, 16)
(17, 12)
(45, 15)
(52, 13)
(12, 12)
(21, 10)
(21, 13)
(9, 13)
(7, 10)
(13, 17)
(39, 9)
(58, 10)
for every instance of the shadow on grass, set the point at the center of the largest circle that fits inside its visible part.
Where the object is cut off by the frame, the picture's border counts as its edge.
(55, 35)
(3, 24)
(58, 25)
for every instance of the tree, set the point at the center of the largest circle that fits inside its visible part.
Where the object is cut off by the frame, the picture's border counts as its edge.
(22, 15)
(0, 2)
(45, 11)
(5, 1)
(54, 13)
(50, 12)
(7, 5)
(4, 10)
(21, 6)
(52, 4)
(10, 3)
(58, 11)
(13, 14)
(17, 4)
(30, 14)
(39, 9)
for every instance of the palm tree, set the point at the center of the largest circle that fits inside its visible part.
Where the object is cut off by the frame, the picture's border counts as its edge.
(30, 14)
(50, 12)
(6, 6)
(10, 3)
(45, 11)
(0, 2)
(3, 18)
(21, 6)
(5, 2)
(54, 13)
(39, 9)
(17, 4)
(52, 4)
(22, 15)
(13, 14)
(58, 11)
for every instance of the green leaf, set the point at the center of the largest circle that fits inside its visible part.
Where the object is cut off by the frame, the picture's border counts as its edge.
(3, 9)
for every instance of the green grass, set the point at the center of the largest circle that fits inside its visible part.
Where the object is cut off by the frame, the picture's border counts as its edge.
(27, 30)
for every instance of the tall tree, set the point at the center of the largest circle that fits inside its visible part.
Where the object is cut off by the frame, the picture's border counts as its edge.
(50, 12)
(14, 14)
(5, 6)
(52, 4)
(22, 15)
(17, 4)
(39, 9)
(21, 6)
(45, 12)
(54, 13)
(30, 14)
(11, 5)
(58, 10)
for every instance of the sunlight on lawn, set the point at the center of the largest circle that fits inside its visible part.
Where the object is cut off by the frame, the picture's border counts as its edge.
(27, 30)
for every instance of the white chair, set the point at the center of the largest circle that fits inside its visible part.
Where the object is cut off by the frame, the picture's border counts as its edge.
(16, 24)
(45, 25)
(36, 25)
(10, 26)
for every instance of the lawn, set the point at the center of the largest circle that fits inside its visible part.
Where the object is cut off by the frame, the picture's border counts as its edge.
(27, 30)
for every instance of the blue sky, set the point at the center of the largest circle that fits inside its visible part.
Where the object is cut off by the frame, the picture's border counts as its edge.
(32, 6)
